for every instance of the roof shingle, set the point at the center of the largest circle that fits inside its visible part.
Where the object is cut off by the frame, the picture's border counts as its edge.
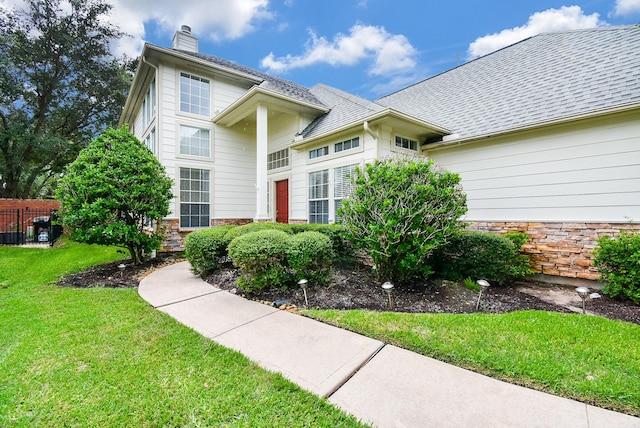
(545, 78)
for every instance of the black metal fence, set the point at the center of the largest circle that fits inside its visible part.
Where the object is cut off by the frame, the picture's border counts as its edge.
(28, 226)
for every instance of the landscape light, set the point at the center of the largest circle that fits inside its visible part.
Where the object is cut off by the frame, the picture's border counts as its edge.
(483, 286)
(303, 284)
(583, 292)
(388, 288)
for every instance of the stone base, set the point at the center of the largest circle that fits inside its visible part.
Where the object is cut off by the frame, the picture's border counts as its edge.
(174, 236)
(559, 249)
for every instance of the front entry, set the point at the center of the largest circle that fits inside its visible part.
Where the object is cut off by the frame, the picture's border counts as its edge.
(282, 201)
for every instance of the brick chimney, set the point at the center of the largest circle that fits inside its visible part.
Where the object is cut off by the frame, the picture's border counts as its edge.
(183, 40)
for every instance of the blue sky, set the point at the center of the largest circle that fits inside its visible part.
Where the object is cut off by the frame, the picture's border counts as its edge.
(365, 47)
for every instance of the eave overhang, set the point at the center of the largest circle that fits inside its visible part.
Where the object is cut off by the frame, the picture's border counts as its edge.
(388, 117)
(246, 105)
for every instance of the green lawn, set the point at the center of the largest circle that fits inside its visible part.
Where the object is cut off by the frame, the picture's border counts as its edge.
(587, 358)
(104, 357)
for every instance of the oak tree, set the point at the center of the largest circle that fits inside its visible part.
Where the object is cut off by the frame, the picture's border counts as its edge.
(60, 87)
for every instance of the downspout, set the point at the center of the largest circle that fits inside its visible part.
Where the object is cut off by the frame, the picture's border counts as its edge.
(369, 131)
(375, 135)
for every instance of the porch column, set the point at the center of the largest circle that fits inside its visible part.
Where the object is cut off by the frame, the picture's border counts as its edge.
(261, 164)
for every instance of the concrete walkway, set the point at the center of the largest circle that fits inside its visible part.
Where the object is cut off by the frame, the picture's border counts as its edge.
(380, 384)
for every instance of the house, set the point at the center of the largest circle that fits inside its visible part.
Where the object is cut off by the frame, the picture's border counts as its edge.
(544, 133)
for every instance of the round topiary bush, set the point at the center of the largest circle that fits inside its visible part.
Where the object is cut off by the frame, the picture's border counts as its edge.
(263, 257)
(342, 248)
(206, 249)
(310, 255)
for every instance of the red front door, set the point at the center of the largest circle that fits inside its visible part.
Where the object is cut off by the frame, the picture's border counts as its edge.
(282, 201)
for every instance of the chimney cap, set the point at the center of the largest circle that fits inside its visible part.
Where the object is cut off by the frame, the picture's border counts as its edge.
(185, 29)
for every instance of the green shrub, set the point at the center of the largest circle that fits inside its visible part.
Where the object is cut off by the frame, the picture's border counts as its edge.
(309, 256)
(480, 255)
(618, 261)
(256, 227)
(342, 248)
(520, 264)
(400, 211)
(205, 249)
(263, 257)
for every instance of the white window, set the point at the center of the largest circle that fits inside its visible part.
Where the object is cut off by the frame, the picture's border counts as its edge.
(150, 141)
(319, 197)
(149, 105)
(194, 94)
(194, 141)
(346, 145)
(278, 159)
(194, 197)
(319, 152)
(341, 186)
(406, 143)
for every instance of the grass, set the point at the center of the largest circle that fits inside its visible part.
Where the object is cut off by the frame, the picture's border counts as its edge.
(103, 357)
(586, 358)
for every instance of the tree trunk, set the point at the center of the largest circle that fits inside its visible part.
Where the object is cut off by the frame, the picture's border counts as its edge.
(136, 256)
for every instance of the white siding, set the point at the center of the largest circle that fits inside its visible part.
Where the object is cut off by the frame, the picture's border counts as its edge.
(232, 161)
(584, 171)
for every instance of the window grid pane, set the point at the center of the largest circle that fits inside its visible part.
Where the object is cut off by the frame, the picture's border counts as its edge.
(194, 197)
(342, 186)
(194, 141)
(194, 94)
(319, 152)
(347, 145)
(278, 159)
(406, 143)
(319, 197)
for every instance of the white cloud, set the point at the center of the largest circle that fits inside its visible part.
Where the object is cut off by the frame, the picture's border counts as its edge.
(391, 53)
(626, 7)
(212, 19)
(565, 18)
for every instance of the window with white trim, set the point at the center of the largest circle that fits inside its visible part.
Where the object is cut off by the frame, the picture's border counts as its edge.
(319, 152)
(346, 145)
(194, 197)
(278, 159)
(195, 141)
(149, 105)
(150, 140)
(319, 197)
(406, 143)
(341, 186)
(194, 94)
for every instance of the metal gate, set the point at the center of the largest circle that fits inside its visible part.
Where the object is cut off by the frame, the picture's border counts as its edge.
(28, 226)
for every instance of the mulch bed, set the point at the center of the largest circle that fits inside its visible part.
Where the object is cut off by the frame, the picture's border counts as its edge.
(356, 288)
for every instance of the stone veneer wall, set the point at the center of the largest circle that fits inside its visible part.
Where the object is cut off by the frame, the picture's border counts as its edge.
(174, 240)
(559, 249)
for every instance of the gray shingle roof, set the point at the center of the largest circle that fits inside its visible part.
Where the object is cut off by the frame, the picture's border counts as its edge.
(272, 83)
(345, 109)
(547, 77)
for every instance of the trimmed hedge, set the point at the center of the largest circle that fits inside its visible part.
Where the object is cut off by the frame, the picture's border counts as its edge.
(255, 227)
(205, 249)
(263, 257)
(618, 261)
(310, 255)
(342, 248)
(480, 255)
